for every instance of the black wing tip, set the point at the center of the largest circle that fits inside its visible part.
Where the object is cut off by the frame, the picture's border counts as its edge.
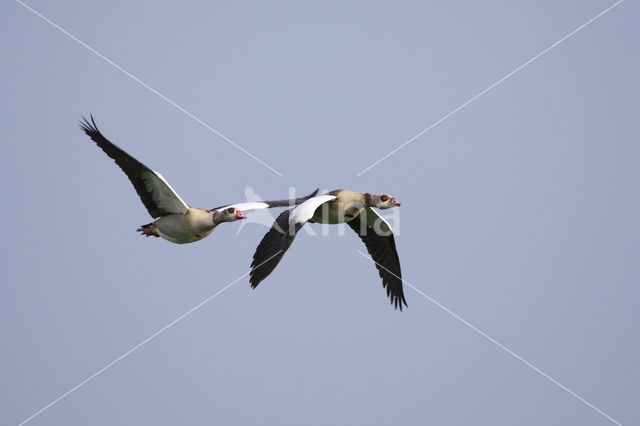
(302, 199)
(255, 277)
(88, 127)
(253, 283)
(252, 279)
(398, 301)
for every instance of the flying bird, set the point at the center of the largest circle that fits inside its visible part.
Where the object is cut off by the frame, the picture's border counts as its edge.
(342, 205)
(175, 220)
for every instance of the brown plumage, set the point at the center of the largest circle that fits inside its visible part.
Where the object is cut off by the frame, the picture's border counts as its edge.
(175, 220)
(339, 206)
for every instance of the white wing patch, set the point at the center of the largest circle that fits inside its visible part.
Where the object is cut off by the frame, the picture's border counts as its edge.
(165, 197)
(304, 211)
(254, 205)
(261, 216)
(377, 222)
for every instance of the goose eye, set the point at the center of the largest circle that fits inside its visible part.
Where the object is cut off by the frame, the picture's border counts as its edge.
(231, 210)
(385, 198)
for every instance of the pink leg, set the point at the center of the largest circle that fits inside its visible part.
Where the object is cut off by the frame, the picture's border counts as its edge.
(148, 230)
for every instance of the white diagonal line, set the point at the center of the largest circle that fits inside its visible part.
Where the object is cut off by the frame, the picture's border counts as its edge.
(492, 86)
(127, 73)
(136, 347)
(500, 345)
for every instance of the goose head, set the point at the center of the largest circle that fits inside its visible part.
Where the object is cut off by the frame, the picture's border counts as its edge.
(383, 202)
(229, 215)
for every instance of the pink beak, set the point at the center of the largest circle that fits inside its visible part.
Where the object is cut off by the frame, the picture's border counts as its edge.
(239, 215)
(396, 203)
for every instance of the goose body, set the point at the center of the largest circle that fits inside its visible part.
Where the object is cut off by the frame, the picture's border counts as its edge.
(175, 220)
(181, 228)
(339, 206)
(346, 205)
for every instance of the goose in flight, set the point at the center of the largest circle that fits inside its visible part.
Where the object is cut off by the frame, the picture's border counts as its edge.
(342, 205)
(175, 220)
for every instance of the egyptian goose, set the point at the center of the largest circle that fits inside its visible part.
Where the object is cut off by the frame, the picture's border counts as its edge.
(342, 205)
(175, 220)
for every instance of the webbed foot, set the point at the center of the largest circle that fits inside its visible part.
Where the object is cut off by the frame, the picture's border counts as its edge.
(148, 230)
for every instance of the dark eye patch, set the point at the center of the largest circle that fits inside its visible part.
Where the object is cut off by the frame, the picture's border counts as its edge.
(230, 210)
(385, 198)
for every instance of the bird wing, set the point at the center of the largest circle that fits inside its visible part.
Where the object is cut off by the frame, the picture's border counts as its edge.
(305, 211)
(382, 248)
(279, 238)
(272, 248)
(255, 205)
(155, 192)
(377, 222)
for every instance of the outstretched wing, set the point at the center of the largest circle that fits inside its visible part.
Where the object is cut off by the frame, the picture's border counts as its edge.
(376, 234)
(154, 191)
(305, 211)
(279, 238)
(272, 248)
(255, 205)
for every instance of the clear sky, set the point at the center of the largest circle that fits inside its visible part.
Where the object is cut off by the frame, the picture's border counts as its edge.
(519, 213)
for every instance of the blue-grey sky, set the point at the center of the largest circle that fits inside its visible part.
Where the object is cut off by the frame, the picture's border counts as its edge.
(519, 213)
